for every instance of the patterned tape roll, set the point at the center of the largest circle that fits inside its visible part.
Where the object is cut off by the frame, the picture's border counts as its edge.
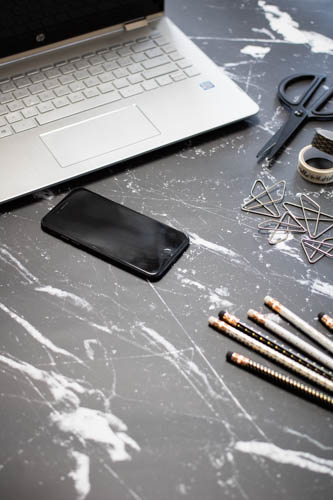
(322, 175)
(323, 140)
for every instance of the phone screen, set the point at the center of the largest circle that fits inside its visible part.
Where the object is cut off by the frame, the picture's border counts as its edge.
(113, 231)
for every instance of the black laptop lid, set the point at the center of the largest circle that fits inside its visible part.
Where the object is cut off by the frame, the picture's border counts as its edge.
(29, 24)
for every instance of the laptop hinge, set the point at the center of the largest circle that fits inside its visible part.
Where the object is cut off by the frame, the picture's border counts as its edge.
(138, 23)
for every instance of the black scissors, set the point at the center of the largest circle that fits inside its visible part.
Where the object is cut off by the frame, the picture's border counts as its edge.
(300, 110)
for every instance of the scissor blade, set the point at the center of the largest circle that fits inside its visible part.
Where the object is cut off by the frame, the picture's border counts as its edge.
(280, 138)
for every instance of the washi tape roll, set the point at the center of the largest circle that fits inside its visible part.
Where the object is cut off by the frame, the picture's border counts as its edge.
(315, 166)
(323, 140)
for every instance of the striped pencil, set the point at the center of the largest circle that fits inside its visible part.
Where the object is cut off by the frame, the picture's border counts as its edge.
(319, 337)
(277, 378)
(291, 338)
(270, 353)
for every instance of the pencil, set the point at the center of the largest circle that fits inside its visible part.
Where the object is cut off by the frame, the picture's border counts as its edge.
(291, 338)
(234, 321)
(270, 353)
(326, 320)
(277, 378)
(299, 323)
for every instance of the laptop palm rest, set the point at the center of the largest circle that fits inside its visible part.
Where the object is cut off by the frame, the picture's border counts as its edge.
(99, 135)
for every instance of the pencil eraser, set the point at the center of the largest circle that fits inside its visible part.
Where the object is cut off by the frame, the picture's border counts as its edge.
(221, 314)
(320, 315)
(229, 355)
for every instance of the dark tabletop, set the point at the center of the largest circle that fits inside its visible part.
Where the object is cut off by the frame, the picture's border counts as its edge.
(116, 388)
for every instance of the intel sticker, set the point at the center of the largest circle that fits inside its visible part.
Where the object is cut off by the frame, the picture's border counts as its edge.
(207, 85)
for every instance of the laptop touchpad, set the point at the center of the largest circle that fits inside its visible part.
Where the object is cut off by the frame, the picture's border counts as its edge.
(99, 135)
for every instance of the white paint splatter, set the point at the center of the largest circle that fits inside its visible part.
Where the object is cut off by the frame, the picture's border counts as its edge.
(100, 427)
(57, 292)
(89, 349)
(283, 24)
(300, 459)
(287, 250)
(38, 336)
(255, 51)
(196, 240)
(322, 288)
(80, 475)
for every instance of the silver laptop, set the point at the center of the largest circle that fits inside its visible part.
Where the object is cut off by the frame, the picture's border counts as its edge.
(86, 84)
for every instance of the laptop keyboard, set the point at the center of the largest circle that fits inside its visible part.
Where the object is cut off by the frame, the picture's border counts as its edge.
(68, 87)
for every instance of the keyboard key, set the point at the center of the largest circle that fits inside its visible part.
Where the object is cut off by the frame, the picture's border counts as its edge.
(124, 61)
(47, 95)
(120, 83)
(37, 78)
(106, 77)
(29, 112)
(159, 71)
(150, 85)
(137, 58)
(67, 68)
(22, 82)
(124, 52)
(91, 82)
(44, 107)
(154, 52)
(3, 122)
(60, 102)
(20, 93)
(135, 68)
(120, 73)
(176, 56)
(36, 88)
(66, 79)
(96, 60)
(137, 78)
(52, 73)
(161, 41)
(76, 97)
(143, 46)
(132, 90)
(164, 80)
(168, 49)
(7, 87)
(96, 70)
(3, 109)
(157, 61)
(110, 66)
(76, 86)
(61, 91)
(178, 76)
(5, 131)
(24, 125)
(15, 105)
(91, 92)
(184, 63)
(52, 84)
(80, 75)
(14, 117)
(110, 55)
(6, 98)
(31, 100)
(106, 87)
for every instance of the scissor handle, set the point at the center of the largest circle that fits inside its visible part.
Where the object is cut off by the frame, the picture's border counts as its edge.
(301, 104)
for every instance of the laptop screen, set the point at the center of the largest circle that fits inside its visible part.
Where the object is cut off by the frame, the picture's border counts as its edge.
(29, 24)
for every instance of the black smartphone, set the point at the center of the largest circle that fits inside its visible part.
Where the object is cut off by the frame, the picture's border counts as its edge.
(116, 233)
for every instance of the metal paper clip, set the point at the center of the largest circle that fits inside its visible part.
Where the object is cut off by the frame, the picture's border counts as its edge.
(266, 191)
(274, 228)
(319, 249)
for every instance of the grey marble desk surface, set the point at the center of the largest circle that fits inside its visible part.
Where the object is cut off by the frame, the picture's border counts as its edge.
(114, 388)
